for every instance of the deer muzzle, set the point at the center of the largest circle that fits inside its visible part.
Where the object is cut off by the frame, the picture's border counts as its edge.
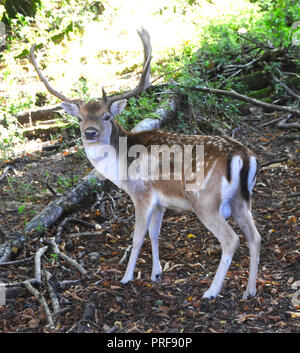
(91, 134)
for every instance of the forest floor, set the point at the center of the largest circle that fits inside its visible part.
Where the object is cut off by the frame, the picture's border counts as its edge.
(189, 253)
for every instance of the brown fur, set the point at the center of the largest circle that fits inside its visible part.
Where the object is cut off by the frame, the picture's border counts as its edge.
(221, 193)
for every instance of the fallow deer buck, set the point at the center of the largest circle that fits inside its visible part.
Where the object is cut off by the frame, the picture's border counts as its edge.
(229, 172)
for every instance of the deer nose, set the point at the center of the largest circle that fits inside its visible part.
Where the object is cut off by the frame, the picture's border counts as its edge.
(91, 133)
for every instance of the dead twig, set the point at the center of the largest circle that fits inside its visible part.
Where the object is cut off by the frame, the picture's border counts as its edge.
(127, 251)
(43, 302)
(229, 77)
(17, 262)
(52, 292)
(37, 261)
(50, 188)
(65, 257)
(242, 66)
(76, 221)
(85, 234)
(284, 125)
(256, 42)
(283, 85)
(67, 283)
(98, 202)
(271, 122)
(279, 160)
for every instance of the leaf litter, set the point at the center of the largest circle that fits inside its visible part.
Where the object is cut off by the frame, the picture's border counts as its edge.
(189, 256)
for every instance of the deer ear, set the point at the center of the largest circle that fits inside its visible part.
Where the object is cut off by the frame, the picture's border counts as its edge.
(118, 106)
(71, 109)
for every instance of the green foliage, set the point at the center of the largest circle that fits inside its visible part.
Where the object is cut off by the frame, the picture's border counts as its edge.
(59, 28)
(138, 108)
(221, 45)
(23, 7)
(53, 258)
(275, 26)
(65, 182)
(82, 88)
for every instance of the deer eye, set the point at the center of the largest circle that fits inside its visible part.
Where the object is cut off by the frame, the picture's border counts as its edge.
(106, 117)
(79, 119)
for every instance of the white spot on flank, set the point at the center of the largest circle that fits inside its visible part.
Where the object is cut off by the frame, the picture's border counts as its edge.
(208, 175)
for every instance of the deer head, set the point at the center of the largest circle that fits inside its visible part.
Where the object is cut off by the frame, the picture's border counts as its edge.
(97, 116)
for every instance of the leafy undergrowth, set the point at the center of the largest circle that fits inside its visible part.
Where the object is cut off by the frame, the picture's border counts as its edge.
(189, 256)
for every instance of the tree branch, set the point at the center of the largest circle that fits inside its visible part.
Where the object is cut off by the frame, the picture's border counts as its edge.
(72, 262)
(43, 302)
(283, 85)
(247, 99)
(41, 114)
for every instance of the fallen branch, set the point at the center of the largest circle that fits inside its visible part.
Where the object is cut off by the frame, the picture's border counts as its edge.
(247, 99)
(85, 234)
(41, 114)
(17, 262)
(288, 89)
(63, 204)
(271, 122)
(284, 125)
(52, 292)
(242, 66)
(65, 257)
(67, 283)
(37, 268)
(256, 42)
(37, 261)
(161, 115)
(77, 221)
(43, 302)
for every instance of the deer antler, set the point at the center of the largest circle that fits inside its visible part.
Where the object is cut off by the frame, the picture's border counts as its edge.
(144, 82)
(57, 94)
(142, 85)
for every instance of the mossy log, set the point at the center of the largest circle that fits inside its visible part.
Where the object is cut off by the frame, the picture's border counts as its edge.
(256, 80)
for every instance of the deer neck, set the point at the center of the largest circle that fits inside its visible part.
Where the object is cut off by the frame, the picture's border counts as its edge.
(116, 132)
(105, 158)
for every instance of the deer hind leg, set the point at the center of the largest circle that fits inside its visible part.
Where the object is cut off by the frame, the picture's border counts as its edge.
(242, 214)
(154, 230)
(142, 220)
(216, 223)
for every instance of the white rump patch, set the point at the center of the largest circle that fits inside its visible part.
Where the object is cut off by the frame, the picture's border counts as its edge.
(228, 190)
(252, 173)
